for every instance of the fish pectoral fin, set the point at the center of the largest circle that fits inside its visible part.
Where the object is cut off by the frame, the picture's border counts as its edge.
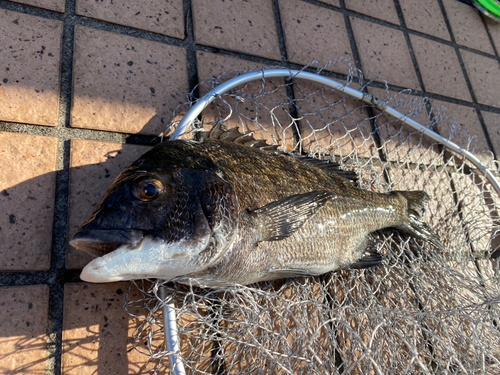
(280, 219)
(370, 258)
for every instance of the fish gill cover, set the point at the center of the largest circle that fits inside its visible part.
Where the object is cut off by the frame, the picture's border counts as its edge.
(424, 309)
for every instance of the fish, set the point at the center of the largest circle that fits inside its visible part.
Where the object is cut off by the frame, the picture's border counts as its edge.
(230, 209)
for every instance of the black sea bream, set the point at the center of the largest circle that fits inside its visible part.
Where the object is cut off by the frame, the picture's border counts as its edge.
(222, 212)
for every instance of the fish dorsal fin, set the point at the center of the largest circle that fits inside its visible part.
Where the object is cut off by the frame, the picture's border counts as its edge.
(234, 135)
(330, 166)
(280, 219)
(247, 139)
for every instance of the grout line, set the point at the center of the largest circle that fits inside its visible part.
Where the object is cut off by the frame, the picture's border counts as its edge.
(192, 63)
(25, 278)
(486, 134)
(130, 31)
(68, 133)
(66, 70)
(31, 10)
(191, 49)
(54, 329)
(399, 12)
(492, 42)
(238, 55)
(60, 224)
(467, 80)
(352, 40)
(292, 108)
(58, 254)
(280, 32)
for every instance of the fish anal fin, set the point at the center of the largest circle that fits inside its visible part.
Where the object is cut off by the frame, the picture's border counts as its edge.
(370, 258)
(281, 218)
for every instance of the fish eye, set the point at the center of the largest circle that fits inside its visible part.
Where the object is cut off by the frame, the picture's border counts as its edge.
(148, 189)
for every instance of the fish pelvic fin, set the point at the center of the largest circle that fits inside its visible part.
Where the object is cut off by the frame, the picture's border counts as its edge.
(414, 225)
(280, 219)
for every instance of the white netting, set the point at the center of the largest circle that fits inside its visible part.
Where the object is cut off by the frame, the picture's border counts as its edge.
(421, 311)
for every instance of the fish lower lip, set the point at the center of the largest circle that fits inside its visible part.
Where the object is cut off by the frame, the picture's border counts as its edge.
(101, 242)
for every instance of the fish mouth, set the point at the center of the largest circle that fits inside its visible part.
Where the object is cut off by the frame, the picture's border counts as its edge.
(102, 242)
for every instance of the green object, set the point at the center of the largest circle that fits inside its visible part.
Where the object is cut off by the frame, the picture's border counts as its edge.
(490, 8)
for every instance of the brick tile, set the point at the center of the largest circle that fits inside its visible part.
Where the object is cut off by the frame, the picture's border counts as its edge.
(57, 5)
(425, 16)
(492, 122)
(384, 54)
(97, 331)
(440, 68)
(27, 185)
(264, 116)
(401, 142)
(332, 124)
(308, 33)
(23, 327)
(494, 29)
(335, 3)
(30, 61)
(239, 25)
(125, 84)
(93, 167)
(212, 65)
(467, 26)
(467, 124)
(158, 16)
(381, 9)
(484, 76)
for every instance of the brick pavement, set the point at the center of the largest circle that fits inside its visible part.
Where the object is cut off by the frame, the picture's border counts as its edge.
(86, 85)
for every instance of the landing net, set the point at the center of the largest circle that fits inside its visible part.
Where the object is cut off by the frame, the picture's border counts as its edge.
(421, 311)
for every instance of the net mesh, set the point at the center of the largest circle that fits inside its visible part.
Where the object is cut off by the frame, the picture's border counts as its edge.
(421, 311)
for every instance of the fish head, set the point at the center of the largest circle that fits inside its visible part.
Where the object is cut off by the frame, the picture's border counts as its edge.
(169, 214)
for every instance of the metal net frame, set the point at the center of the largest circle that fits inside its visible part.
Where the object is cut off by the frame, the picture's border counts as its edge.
(421, 311)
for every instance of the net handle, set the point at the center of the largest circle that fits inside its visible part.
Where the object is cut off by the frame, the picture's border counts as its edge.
(172, 335)
(202, 103)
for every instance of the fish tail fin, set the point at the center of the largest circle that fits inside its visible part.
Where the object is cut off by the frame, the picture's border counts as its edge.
(414, 225)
